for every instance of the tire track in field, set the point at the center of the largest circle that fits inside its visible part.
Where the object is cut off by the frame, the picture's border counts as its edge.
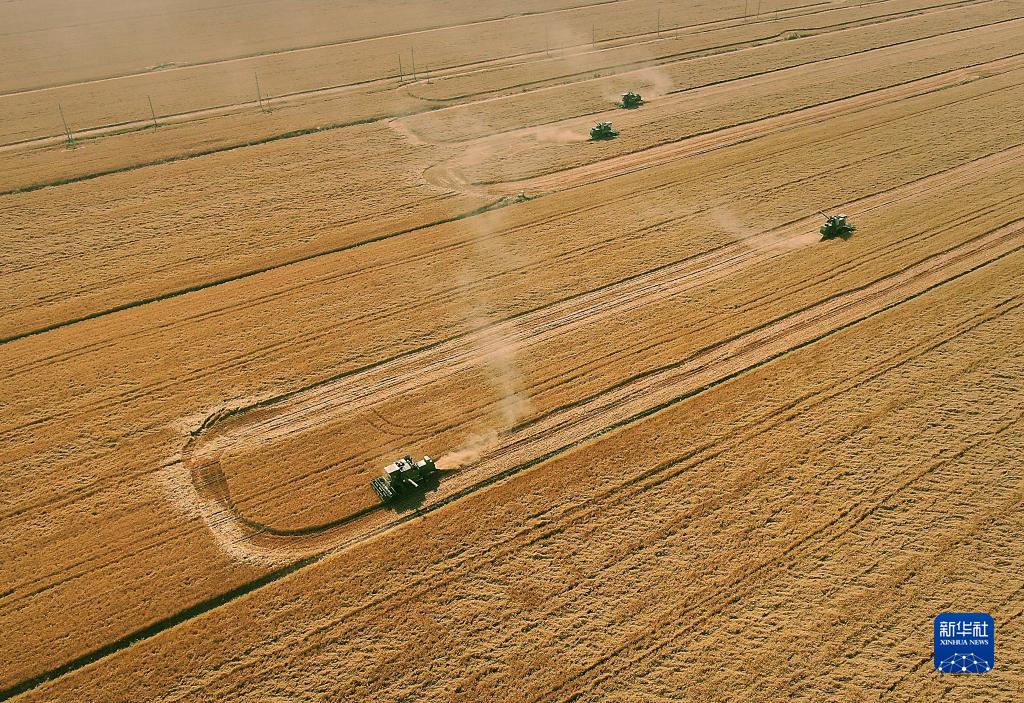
(753, 43)
(380, 85)
(268, 491)
(545, 434)
(313, 47)
(669, 182)
(952, 176)
(234, 308)
(893, 583)
(1013, 598)
(45, 582)
(705, 510)
(750, 136)
(385, 82)
(95, 489)
(830, 531)
(1013, 500)
(627, 295)
(482, 65)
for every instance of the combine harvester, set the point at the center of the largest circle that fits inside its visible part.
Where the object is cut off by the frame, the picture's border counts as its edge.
(601, 131)
(631, 100)
(403, 477)
(836, 226)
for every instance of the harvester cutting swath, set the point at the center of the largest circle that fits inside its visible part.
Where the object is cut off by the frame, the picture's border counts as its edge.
(403, 477)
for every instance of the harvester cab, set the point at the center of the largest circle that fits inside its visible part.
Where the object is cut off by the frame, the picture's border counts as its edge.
(404, 476)
(602, 130)
(631, 100)
(836, 226)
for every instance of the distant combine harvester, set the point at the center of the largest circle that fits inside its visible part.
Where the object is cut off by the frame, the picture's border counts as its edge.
(631, 100)
(836, 226)
(602, 131)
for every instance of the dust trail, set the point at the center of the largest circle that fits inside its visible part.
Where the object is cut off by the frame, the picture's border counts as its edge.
(752, 237)
(656, 81)
(474, 448)
(558, 135)
(495, 344)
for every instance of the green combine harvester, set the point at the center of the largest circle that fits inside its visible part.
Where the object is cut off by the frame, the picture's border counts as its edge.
(601, 131)
(404, 476)
(836, 226)
(631, 100)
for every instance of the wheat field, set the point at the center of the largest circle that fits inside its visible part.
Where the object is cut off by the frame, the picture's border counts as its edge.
(689, 451)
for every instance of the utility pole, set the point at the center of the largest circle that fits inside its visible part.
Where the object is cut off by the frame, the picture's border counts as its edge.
(67, 130)
(593, 36)
(659, 23)
(152, 111)
(413, 50)
(401, 73)
(259, 95)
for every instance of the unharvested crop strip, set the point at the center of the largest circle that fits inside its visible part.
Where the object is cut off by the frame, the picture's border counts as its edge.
(1004, 157)
(737, 46)
(562, 380)
(631, 291)
(740, 133)
(540, 527)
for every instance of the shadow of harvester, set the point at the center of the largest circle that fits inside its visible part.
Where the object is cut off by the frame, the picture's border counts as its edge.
(412, 498)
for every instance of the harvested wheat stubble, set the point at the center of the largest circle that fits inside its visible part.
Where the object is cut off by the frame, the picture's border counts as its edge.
(961, 28)
(217, 241)
(691, 441)
(315, 432)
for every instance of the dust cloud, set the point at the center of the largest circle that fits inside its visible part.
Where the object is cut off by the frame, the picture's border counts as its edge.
(558, 135)
(726, 220)
(496, 349)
